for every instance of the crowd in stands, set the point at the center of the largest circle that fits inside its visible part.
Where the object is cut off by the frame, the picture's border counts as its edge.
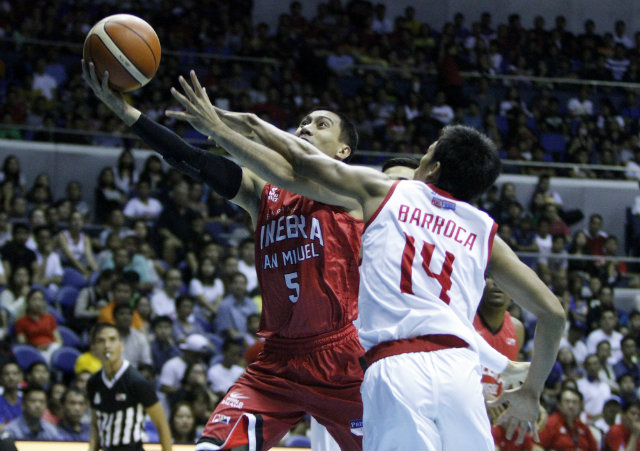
(171, 263)
(337, 58)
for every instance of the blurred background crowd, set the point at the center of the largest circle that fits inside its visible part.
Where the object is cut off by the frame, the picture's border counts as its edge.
(172, 264)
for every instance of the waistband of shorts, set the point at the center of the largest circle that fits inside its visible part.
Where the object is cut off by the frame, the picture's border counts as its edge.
(422, 343)
(307, 344)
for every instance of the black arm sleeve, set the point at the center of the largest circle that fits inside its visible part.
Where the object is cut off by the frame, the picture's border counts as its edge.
(220, 173)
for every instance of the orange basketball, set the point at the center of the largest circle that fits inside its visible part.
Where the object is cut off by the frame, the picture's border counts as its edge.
(125, 46)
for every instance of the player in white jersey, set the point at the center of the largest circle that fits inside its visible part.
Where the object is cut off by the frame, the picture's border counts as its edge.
(425, 252)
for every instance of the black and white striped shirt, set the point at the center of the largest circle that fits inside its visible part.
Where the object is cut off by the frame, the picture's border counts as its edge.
(120, 407)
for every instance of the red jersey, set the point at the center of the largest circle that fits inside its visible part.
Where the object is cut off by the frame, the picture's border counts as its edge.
(617, 438)
(504, 341)
(556, 435)
(307, 257)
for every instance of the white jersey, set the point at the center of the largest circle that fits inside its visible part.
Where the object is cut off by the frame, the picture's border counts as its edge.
(424, 260)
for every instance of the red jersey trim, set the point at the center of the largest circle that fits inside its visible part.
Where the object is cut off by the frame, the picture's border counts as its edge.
(492, 235)
(386, 198)
(422, 343)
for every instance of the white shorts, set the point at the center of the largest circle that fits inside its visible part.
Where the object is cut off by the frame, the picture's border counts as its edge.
(425, 401)
(321, 440)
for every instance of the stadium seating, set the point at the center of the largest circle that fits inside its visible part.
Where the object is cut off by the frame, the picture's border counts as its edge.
(64, 359)
(73, 277)
(26, 355)
(69, 337)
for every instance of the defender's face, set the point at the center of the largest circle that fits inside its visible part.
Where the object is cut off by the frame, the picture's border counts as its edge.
(322, 129)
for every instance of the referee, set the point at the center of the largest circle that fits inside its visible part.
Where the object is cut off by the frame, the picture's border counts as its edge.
(120, 396)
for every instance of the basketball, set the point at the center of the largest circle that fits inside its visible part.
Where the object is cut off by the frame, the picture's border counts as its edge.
(127, 47)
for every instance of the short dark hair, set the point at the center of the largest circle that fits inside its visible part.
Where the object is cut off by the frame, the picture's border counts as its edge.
(70, 391)
(469, 162)
(571, 390)
(412, 163)
(32, 388)
(100, 327)
(348, 131)
(36, 363)
(161, 319)
(121, 306)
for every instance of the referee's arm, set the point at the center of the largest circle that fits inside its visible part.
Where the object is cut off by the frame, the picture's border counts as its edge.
(93, 435)
(156, 413)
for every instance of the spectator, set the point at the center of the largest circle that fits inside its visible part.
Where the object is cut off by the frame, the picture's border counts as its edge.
(30, 425)
(193, 381)
(107, 195)
(15, 253)
(235, 308)
(610, 411)
(182, 423)
(194, 350)
(222, 375)
(136, 346)
(142, 206)
(90, 300)
(628, 390)
(594, 390)
(603, 351)
(13, 298)
(579, 247)
(163, 347)
(73, 192)
(628, 364)
(11, 398)
(37, 327)
(206, 288)
(564, 430)
(53, 412)
(115, 225)
(49, 268)
(124, 173)
(75, 405)
(608, 323)
(625, 435)
(38, 374)
(185, 322)
(121, 292)
(12, 177)
(247, 265)
(75, 246)
(43, 83)
(581, 105)
(595, 235)
(174, 224)
(163, 299)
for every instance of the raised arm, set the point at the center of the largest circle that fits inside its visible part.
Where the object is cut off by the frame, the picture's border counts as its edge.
(289, 161)
(223, 175)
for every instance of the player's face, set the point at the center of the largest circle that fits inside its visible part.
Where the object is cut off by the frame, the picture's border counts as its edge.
(322, 129)
(108, 346)
(400, 173)
(493, 295)
(35, 404)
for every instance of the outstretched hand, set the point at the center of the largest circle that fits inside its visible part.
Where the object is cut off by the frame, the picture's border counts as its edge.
(198, 110)
(521, 408)
(113, 99)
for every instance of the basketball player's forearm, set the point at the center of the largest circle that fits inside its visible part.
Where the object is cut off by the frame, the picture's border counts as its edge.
(220, 173)
(546, 341)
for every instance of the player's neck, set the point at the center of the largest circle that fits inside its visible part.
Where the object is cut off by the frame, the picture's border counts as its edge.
(110, 369)
(492, 318)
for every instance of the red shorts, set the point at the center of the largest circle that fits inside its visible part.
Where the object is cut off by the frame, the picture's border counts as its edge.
(290, 379)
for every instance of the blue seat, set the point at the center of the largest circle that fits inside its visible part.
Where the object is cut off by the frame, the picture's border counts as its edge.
(69, 337)
(64, 359)
(66, 299)
(553, 142)
(298, 441)
(26, 355)
(60, 319)
(74, 278)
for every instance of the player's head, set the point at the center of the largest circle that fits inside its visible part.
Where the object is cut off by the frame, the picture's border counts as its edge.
(463, 162)
(331, 132)
(493, 297)
(106, 343)
(400, 168)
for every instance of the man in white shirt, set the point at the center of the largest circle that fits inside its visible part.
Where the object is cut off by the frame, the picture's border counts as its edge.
(163, 300)
(223, 374)
(247, 265)
(193, 350)
(595, 391)
(136, 346)
(42, 81)
(142, 206)
(608, 322)
(49, 271)
(581, 105)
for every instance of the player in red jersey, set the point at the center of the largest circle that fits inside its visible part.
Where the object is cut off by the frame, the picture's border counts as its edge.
(502, 331)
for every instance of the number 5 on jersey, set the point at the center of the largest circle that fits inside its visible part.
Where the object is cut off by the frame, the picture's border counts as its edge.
(443, 278)
(289, 279)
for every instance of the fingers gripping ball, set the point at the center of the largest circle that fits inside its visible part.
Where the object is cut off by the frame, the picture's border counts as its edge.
(125, 46)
